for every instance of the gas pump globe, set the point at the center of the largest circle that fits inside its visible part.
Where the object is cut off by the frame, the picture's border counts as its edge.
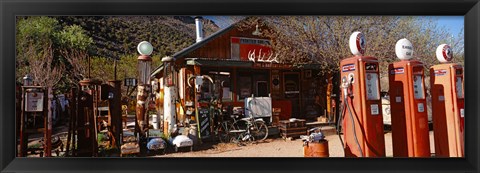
(144, 62)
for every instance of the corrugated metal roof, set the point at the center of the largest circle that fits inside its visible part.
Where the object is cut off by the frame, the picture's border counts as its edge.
(195, 46)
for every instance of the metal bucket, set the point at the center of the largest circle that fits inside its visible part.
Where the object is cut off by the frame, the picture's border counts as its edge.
(316, 149)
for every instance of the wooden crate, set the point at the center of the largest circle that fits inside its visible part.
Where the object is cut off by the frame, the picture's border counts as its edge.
(292, 132)
(294, 124)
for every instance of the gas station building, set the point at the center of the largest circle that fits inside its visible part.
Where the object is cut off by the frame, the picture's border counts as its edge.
(238, 60)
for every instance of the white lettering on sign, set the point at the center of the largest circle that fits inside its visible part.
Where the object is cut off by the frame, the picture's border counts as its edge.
(398, 99)
(374, 109)
(462, 113)
(421, 108)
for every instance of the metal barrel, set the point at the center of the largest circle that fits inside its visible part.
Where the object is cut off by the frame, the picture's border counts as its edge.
(316, 149)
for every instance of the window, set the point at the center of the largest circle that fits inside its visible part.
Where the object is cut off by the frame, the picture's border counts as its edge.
(221, 85)
(244, 84)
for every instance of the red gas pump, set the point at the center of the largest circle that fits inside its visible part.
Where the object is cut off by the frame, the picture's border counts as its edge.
(446, 82)
(360, 96)
(410, 136)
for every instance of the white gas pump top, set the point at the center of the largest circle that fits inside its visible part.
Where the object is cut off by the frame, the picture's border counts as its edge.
(444, 53)
(404, 49)
(145, 48)
(357, 43)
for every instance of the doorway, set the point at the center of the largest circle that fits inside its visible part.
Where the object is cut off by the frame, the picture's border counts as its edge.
(291, 84)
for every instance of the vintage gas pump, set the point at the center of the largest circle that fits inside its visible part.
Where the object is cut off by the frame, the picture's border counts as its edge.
(360, 96)
(446, 81)
(408, 104)
(169, 95)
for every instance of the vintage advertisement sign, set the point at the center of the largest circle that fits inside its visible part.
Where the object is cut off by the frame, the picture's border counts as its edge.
(34, 102)
(440, 72)
(241, 47)
(348, 67)
(400, 70)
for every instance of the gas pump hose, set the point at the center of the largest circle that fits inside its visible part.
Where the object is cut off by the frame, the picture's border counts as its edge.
(354, 131)
(345, 106)
(340, 119)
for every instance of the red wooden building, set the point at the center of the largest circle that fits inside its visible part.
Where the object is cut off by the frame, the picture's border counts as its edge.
(231, 56)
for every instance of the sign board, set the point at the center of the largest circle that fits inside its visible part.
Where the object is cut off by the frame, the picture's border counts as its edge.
(374, 109)
(421, 107)
(204, 119)
(34, 101)
(241, 47)
(400, 70)
(348, 67)
(441, 72)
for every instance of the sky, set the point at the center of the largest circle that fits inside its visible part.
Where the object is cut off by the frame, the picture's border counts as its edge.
(453, 24)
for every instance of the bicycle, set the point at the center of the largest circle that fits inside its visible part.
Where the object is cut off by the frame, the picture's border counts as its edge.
(225, 124)
(254, 129)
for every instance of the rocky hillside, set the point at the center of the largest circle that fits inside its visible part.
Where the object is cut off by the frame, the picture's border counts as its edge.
(115, 36)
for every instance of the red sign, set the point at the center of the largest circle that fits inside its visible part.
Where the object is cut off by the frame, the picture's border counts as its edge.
(243, 47)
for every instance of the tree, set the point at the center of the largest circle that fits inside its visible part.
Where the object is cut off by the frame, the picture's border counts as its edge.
(73, 46)
(35, 50)
(324, 39)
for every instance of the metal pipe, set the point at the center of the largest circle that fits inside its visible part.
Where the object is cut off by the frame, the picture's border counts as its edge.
(199, 28)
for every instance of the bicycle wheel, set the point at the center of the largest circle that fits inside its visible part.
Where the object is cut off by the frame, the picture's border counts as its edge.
(261, 131)
(223, 132)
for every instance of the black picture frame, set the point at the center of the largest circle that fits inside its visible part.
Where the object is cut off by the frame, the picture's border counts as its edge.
(9, 9)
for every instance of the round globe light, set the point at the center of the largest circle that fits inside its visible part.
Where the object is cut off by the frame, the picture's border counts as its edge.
(357, 43)
(145, 48)
(404, 49)
(444, 53)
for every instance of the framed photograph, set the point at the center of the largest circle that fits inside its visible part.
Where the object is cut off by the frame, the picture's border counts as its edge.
(74, 47)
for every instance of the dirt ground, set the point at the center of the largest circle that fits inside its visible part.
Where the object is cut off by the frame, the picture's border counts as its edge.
(277, 148)
(271, 147)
